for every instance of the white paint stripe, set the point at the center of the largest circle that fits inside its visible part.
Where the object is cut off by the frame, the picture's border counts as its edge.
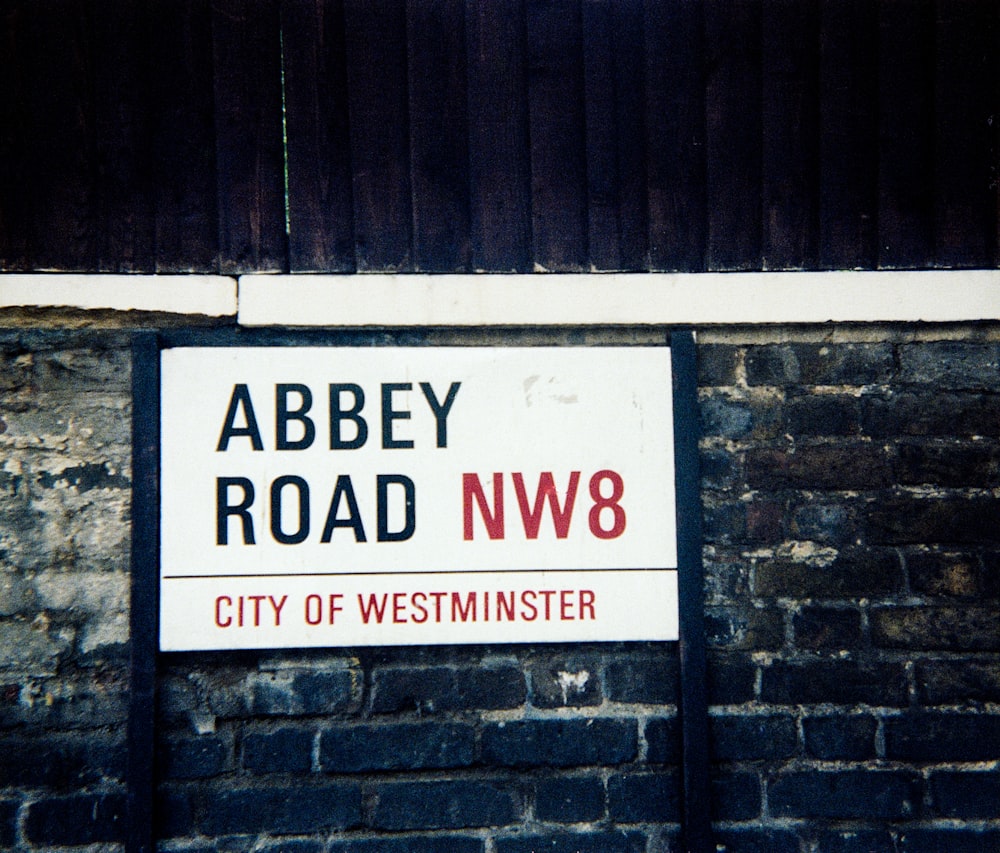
(206, 295)
(615, 298)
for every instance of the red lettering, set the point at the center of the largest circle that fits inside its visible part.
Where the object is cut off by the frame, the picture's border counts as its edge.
(277, 605)
(460, 613)
(505, 608)
(530, 605)
(334, 607)
(437, 596)
(314, 610)
(565, 605)
(219, 620)
(602, 503)
(399, 607)
(546, 491)
(493, 519)
(548, 593)
(587, 603)
(372, 607)
(419, 607)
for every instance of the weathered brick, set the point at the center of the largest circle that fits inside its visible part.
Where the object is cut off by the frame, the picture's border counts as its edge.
(826, 414)
(735, 796)
(76, 819)
(819, 364)
(644, 797)
(447, 804)
(755, 628)
(900, 520)
(433, 689)
(947, 682)
(61, 761)
(173, 816)
(293, 845)
(652, 681)
(765, 520)
(840, 466)
(840, 738)
(83, 369)
(409, 844)
(845, 794)
(304, 692)
(957, 365)
(663, 740)
(822, 521)
(952, 574)
(565, 681)
(853, 573)
(930, 413)
(193, 758)
(413, 746)
(945, 628)
(772, 365)
(717, 364)
(949, 465)
(752, 737)
(596, 842)
(286, 750)
(818, 627)
(721, 469)
(725, 417)
(8, 822)
(858, 840)
(971, 794)
(928, 840)
(559, 743)
(753, 839)
(943, 736)
(31, 648)
(574, 799)
(724, 523)
(845, 682)
(282, 810)
(731, 678)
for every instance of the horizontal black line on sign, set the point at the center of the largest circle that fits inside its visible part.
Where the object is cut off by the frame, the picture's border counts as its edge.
(393, 574)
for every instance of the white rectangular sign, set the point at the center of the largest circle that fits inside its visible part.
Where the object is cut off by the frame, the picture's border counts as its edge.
(349, 496)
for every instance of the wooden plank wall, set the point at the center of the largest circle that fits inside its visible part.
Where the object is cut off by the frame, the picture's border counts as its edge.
(461, 135)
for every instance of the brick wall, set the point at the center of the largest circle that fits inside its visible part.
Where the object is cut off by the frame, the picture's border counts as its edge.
(852, 558)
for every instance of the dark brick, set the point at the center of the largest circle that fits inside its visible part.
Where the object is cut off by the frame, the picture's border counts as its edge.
(942, 736)
(930, 412)
(840, 738)
(649, 681)
(819, 627)
(717, 364)
(752, 737)
(765, 520)
(951, 574)
(855, 573)
(756, 840)
(725, 417)
(824, 414)
(293, 845)
(410, 844)
(819, 364)
(902, 520)
(173, 814)
(281, 751)
(295, 809)
(920, 840)
(858, 841)
(8, 822)
(433, 689)
(559, 743)
(60, 761)
(946, 628)
(727, 576)
(663, 740)
(644, 797)
(771, 365)
(736, 796)
(947, 682)
(723, 523)
(449, 804)
(597, 842)
(721, 469)
(410, 746)
(302, 693)
(842, 682)
(731, 679)
(841, 466)
(957, 365)
(565, 682)
(966, 794)
(77, 819)
(833, 523)
(954, 465)
(569, 799)
(193, 758)
(757, 629)
(872, 794)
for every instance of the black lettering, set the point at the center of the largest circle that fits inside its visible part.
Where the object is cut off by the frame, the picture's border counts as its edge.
(440, 410)
(389, 414)
(284, 415)
(224, 509)
(338, 414)
(383, 482)
(241, 397)
(303, 489)
(344, 490)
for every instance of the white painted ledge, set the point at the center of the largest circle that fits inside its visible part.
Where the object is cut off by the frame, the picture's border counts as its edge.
(614, 298)
(204, 295)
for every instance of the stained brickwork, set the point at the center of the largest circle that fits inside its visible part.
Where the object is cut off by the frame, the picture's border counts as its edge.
(852, 559)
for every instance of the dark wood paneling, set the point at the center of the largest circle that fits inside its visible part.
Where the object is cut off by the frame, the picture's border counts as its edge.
(439, 135)
(320, 194)
(249, 145)
(380, 137)
(733, 110)
(499, 152)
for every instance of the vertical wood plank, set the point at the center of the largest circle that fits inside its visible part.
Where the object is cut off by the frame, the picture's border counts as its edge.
(499, 152)
(558, 134)
(733, 109)
(183, 136)
(906, 134)
(848, 134)
(320, 193)
(615, 116)
(439, 135)
(675, 133)
(966, 105)
(249, 145)
(380, 137)
(790, 110)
